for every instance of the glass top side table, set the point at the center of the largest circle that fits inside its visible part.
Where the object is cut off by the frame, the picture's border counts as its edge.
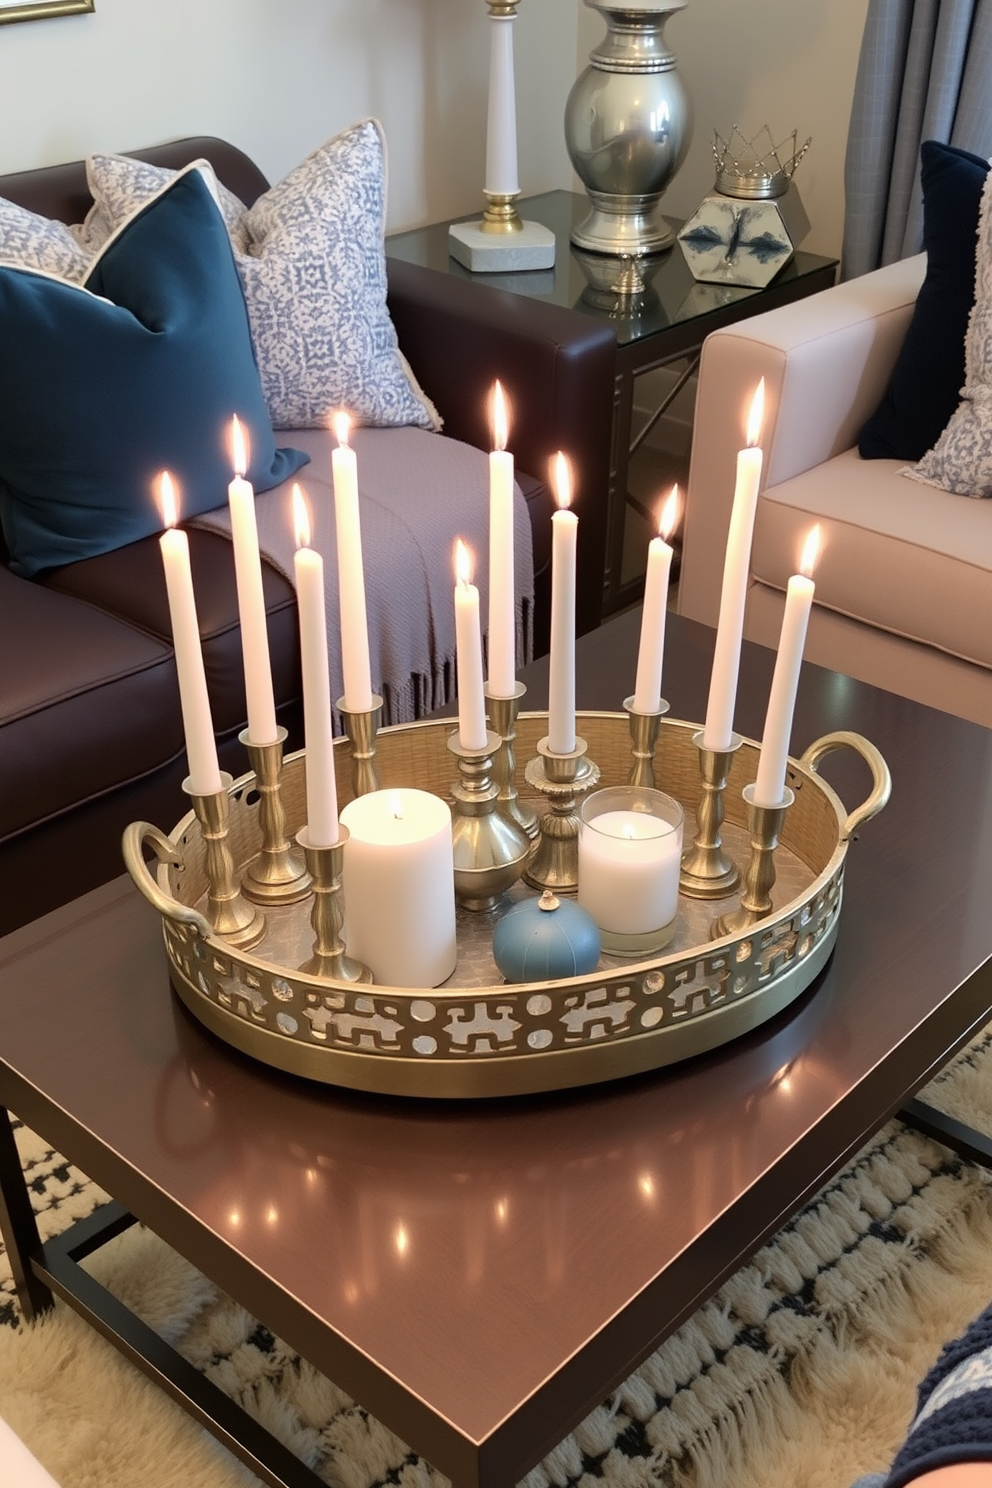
(663, 324)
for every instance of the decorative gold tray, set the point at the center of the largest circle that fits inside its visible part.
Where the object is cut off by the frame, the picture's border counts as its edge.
(475, 1035)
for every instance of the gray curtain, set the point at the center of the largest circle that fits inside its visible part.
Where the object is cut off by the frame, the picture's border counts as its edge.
(925, 72)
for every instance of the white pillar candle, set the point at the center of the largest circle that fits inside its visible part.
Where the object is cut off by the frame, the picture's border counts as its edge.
(251, 600)
(651, 651)
(399, 887)
(561, 681)
(468, 655)
(629, 871)
(769, 785)
(201, 746)
(719, 725)
(502, 604)
(351, 573)
(322, 791)
(501, 124)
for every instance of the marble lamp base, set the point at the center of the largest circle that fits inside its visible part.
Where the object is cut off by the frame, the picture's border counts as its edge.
(532, 247)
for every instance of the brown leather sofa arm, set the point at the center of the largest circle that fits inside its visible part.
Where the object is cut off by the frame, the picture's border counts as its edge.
(557, 367)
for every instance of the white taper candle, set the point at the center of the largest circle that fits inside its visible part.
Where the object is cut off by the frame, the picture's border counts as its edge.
(322, 792)
(561, 680)
(502, 604)
(468, 654)
(651, 650)
(201, 746)
(769, 785)
(251, 599)
(351, 573)
(719, 725)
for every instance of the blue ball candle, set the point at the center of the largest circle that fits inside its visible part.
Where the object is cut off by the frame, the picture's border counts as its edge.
(546, 939)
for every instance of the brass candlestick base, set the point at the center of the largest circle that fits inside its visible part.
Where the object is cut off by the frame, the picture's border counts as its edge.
(362, 726)
(501, 215)
(230, 914)
(490, 850)
(503, 717)
(563, 778)
(327, 916)
(707, 871)
(643, 738)
(765, 823)
(277, 874)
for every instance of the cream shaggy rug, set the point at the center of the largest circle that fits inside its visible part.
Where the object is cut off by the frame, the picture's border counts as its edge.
(801, 1371)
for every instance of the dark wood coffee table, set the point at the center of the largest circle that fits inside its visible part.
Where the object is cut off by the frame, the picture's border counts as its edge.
(480, 1275)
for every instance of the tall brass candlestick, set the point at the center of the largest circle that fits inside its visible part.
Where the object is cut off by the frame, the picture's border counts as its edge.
(759, 875)
(707, 871)
(277, 874)
(503, 717)
(490, 850)
(362, 727)
(327, 916)
(231, 915)
(563, 778)
(643, 739)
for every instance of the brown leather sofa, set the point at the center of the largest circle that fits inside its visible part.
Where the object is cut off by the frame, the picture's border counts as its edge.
(90, 727)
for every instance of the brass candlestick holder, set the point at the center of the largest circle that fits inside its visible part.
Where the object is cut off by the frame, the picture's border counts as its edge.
(327, 916)
(563, 778)
(503, 717)
(362, 726)
(765, 823)
(707, 871)
(277, 874)
(643, 738)
(231, 915)
(490, 850)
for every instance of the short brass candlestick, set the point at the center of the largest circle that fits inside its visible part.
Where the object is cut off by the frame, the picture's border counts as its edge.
(277, 874)
(643, 738)
(362, 725)
(503, 717)
(231, 915)
(563, 778)
(324, 865)
(707, 871)
(765, 823)
(490, 850)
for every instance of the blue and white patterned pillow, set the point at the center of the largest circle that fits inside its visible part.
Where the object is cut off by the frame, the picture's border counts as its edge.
(119, 184)
(34, 242)
(961, 460)
(312, 262)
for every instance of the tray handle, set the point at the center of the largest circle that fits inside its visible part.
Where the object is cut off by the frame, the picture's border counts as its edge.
(882, 787)
(133, 841)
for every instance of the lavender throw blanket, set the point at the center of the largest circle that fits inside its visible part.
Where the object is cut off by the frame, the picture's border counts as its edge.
(417, 492)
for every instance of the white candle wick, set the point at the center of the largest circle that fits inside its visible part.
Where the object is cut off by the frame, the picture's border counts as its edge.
(756, 415)
(341, 424)
(501, 430)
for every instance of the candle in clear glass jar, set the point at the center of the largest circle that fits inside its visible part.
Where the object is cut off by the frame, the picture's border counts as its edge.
(630, 843)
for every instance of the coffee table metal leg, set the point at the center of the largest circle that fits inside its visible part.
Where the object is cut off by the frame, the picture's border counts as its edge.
(18, 1226)
(974, 1146)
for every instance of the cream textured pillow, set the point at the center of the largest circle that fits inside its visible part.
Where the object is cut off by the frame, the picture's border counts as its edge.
(961, 460)
(33, 242)
(311, 258)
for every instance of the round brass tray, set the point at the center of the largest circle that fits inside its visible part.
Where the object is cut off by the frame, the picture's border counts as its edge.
(475, 1035)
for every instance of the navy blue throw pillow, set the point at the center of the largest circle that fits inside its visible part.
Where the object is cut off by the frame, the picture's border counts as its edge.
(926, 381)
(138, 371)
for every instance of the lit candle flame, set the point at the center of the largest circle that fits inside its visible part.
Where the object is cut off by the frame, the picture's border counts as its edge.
(811, 552)
(396, 806)
(501, 431)
(301, 516)
(167, 499)
(463, 562)
(239, 447)
(756, 415)
(670, 513)
(342, 427)
(561, 480)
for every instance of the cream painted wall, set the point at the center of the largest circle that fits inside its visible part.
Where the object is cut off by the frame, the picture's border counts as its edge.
(277, 77)
(782, 62)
